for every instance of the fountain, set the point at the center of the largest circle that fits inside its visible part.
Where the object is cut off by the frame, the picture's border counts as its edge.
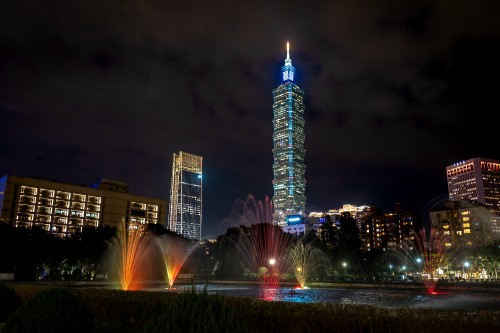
(263, 245)
(127, 250)
(303, 260)
(423, 257)
(174, 252)
(431, 250)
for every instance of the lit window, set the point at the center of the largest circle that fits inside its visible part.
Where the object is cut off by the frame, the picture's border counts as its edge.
(466, 231)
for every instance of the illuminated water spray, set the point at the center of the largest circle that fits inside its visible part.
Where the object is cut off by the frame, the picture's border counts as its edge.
(303, 259)
(263, 245)
(431, 250)
(127, 250)
(174, 252)
(423, 256)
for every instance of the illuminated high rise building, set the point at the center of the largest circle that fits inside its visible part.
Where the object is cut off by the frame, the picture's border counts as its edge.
(289, 168)
(476, 179)
(186, 195)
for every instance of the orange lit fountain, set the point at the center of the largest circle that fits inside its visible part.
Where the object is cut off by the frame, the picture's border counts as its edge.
(127, 251)
(174, 251)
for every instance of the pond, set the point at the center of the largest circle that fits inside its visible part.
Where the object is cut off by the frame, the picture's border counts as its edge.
(385, 298)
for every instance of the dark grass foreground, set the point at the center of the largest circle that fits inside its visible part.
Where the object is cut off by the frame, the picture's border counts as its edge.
(195, 311)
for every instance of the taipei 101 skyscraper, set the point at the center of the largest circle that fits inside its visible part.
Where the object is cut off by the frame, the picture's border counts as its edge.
(289, 182)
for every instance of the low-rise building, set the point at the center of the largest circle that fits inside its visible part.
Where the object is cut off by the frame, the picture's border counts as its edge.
(63, 209)
(462, 224)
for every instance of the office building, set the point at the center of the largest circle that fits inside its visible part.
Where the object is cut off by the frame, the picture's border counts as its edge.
(185, 212)
(64, 209)
(289, 168)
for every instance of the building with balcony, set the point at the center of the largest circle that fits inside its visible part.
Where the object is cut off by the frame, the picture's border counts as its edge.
(462, 224)
(63, 209)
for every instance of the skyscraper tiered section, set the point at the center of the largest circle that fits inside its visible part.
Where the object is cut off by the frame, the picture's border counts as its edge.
(289, 182)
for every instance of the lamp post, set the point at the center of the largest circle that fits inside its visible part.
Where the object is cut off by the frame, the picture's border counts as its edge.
(465, 267)
(344, 264)
(419, 261)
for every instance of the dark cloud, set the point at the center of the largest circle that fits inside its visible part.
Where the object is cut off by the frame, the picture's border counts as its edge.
(395, 91)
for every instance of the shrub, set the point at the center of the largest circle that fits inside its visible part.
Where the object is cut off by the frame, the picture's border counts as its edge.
(192, 312)
(52, 310)
(9, 301)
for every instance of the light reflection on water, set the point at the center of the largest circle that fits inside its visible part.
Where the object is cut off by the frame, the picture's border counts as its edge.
(386, 298)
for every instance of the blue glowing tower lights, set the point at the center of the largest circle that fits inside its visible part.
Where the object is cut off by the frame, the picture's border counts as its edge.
(289, 168)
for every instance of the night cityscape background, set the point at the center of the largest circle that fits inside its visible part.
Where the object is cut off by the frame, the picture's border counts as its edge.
(394, 92)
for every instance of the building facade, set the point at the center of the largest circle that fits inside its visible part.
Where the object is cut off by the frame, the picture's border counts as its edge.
(185, 212)
(477, 179)
(289, 168)
(462, 224)
(64, 209)
(377, 230)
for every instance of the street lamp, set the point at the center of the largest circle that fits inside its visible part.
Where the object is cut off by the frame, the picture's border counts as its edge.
(466, 265)
(344, 264)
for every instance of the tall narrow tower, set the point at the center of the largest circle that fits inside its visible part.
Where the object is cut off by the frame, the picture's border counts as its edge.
(186, 195)
(289, 169)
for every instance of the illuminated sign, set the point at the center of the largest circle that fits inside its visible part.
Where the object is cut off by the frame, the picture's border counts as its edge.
(294, 219)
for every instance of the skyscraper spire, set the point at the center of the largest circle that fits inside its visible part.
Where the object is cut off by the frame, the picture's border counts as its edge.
(288, 70)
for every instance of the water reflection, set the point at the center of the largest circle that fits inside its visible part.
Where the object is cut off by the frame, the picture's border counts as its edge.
(384, 298)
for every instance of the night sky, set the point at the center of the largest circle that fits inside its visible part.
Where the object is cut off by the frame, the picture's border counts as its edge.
(395, 91)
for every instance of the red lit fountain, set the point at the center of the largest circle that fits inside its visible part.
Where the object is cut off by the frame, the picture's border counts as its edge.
(263, 245)
(423, 256)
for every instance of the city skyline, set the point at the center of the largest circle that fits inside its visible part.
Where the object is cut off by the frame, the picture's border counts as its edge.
(395, 93)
